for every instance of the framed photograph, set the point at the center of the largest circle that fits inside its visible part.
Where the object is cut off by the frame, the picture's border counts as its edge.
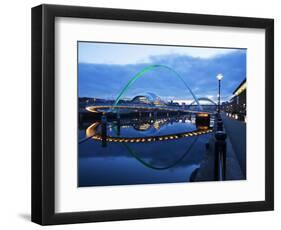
(142, 114)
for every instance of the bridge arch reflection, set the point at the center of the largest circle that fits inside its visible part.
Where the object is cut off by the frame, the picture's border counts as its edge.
(92, 132)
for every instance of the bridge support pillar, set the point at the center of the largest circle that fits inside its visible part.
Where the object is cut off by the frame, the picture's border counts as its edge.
(118, 124)
(155, 114)
(104, 130)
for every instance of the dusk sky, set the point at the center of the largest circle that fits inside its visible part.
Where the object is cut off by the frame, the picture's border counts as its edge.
(105, 68)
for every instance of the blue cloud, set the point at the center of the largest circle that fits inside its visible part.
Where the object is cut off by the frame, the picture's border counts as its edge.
(107, 81)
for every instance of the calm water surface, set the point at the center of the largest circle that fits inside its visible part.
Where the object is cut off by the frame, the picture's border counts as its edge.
(152, 162)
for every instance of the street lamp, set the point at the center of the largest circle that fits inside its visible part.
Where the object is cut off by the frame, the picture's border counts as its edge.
(219, 77)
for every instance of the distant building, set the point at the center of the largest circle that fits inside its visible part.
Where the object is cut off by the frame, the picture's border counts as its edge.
(237, 106)
(148, 98)
(172, 103)
(141, 99)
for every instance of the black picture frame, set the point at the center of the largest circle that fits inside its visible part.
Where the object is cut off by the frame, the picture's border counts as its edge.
(43, 110)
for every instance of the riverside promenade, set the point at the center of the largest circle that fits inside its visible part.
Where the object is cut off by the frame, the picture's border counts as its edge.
(235, 153)
(236, 131)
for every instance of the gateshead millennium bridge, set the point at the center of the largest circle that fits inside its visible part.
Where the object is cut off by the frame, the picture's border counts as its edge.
(146, 112)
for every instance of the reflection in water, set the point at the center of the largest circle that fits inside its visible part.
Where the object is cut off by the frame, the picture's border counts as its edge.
(136, 155)
(139, 131)
(141, 151)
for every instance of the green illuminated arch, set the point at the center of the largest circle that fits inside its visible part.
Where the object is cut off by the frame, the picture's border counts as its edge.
(148, 68)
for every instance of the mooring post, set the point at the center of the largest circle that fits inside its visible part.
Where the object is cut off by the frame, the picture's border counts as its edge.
(219, 125)
(220, 155)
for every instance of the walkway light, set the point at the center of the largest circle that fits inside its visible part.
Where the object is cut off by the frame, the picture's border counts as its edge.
(219, 77)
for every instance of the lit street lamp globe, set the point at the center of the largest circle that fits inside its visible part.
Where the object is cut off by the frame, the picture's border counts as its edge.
(219, 76)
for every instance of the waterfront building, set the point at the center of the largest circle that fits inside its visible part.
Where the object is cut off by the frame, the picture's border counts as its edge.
(236, 107)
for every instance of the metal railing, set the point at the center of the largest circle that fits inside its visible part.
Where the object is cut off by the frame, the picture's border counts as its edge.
(220, 150)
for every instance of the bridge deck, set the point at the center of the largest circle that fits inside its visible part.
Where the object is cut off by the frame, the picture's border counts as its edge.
(97, 108)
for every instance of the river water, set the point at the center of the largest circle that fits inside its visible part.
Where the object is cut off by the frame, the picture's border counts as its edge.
(132, 155)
